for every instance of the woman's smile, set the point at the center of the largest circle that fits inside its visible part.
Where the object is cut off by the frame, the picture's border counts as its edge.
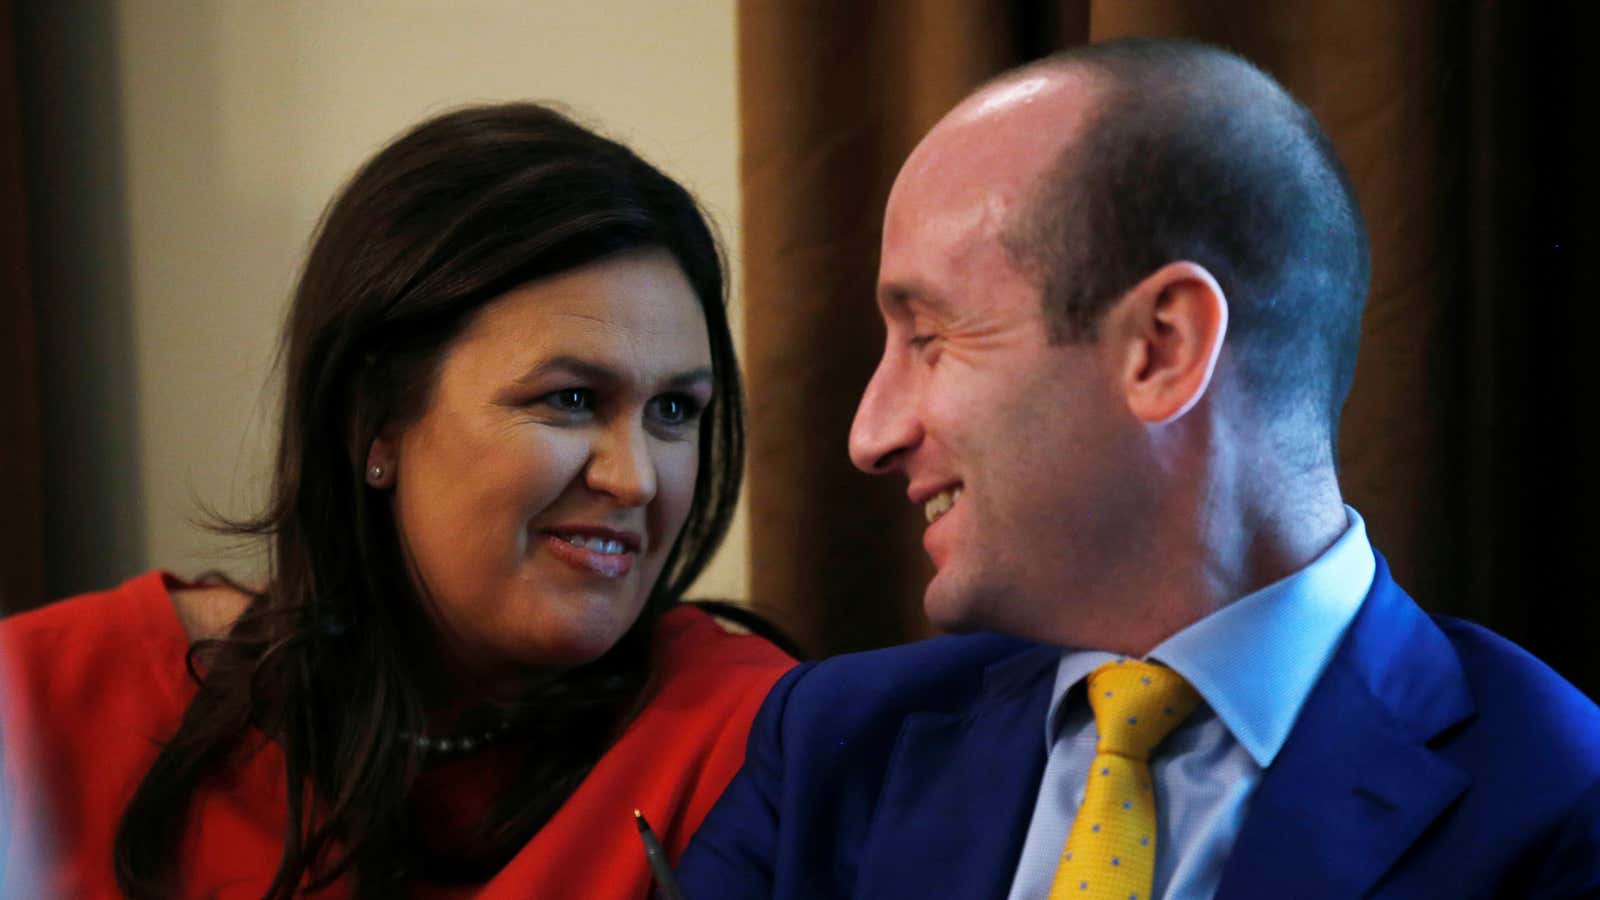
(592, 550)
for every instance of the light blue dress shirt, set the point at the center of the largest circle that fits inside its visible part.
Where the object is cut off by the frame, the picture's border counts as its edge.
(1253, 662)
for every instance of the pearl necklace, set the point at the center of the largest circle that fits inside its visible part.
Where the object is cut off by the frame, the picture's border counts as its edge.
(459, 744)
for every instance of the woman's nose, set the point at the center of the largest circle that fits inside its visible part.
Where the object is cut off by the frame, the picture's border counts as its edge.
(621, 465)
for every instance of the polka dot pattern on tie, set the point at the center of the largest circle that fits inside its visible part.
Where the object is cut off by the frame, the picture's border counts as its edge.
(1110, 853)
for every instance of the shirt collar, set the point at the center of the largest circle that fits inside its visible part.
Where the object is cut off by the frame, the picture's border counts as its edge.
(1255, 660)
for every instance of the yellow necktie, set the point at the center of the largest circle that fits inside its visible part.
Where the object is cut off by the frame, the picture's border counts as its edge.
(1111, 852)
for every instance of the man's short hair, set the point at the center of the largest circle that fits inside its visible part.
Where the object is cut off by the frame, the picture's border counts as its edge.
(1192, 153)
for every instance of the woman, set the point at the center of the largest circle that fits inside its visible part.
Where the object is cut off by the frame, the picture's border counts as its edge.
(511, 438)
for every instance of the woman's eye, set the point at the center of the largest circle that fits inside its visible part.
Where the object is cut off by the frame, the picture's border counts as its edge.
(571, 400)
(674, 409)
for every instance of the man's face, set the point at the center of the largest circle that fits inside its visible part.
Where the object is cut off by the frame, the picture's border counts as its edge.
(1017, 450)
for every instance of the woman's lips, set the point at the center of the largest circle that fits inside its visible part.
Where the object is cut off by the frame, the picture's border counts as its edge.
(589, 560)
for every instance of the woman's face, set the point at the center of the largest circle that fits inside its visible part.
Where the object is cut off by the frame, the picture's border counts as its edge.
(541, 489)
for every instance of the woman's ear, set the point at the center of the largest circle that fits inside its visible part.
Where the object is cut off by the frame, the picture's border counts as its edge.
(1168, 331)
(381, 463)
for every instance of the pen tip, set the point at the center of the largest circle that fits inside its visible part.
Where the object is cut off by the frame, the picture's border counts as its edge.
(637, 814)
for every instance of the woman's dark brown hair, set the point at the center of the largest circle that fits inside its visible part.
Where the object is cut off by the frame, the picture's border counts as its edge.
(451, 215)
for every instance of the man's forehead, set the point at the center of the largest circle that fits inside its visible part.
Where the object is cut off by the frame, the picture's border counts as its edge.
(955, 218)
(1009, 131)
(1004, 97)
(964, 183)
(928, 246)
(983, 160)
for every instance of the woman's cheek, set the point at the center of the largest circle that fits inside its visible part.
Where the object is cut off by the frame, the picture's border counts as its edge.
(677, 471)
(550, 460)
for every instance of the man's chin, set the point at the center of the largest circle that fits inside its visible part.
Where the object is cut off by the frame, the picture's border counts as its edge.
(953, 607)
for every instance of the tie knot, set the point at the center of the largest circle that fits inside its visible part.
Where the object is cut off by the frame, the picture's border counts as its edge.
(1137, 704)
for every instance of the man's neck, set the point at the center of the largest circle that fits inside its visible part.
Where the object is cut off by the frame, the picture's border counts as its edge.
(1196, 560)
(1248, 553)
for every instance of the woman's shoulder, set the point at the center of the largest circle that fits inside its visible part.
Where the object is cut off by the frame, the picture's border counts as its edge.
(92, 647)
(106, 613)
(706, 674)
(90, 688)
(690, 641)
(676, 757)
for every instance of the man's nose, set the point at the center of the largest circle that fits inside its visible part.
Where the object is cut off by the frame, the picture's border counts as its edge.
(886, 425)
(622, 466)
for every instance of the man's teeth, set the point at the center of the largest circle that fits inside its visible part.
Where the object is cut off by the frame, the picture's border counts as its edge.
(598, 545)
(940, 504)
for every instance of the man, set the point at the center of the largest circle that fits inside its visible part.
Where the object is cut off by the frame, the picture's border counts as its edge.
(1122, 289)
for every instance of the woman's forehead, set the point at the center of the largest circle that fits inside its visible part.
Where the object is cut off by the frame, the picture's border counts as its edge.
(635, 313)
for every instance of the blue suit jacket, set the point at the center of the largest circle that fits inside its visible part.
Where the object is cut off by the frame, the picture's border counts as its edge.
(1432, 759)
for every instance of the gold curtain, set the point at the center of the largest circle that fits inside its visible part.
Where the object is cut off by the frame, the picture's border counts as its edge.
(1456, 122)
(21, 506)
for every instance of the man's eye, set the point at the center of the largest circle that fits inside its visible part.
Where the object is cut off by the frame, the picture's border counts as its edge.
(918, 341)
(674, 409)
(571, 400)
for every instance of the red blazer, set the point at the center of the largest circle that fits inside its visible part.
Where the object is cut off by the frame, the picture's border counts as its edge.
(92, 684)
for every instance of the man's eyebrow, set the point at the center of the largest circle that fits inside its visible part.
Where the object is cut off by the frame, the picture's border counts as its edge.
(902, 296)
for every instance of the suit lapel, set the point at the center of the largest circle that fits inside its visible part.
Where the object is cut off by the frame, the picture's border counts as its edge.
(1356, 783)
(960, 790)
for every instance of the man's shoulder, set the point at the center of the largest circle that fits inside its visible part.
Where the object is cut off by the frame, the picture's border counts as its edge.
(1511, 688)
(935, 658)
(1526, 753)
(1459, 683)
(876, 689)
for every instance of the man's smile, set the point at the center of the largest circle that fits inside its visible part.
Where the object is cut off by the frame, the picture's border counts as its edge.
(940, 503)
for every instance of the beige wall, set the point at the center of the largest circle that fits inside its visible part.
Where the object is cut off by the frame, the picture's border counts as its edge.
(181, 153)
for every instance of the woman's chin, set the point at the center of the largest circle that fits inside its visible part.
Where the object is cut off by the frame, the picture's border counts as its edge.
(538, 626)
(570, 654)
(570, 644)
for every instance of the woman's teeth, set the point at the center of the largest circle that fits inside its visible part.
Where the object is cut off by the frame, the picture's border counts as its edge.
(598, 545)
(940, 504)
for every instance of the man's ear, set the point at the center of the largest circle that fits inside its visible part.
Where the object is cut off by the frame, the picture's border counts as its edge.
(1167, 332)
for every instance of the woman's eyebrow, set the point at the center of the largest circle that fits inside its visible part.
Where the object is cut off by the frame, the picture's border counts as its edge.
(589, 370)
(691, 378)
(570, 365)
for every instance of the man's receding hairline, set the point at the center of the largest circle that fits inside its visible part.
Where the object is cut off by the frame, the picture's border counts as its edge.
(1101, 87)
(1110, 79)
(1179, 137)
(1108, 75)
